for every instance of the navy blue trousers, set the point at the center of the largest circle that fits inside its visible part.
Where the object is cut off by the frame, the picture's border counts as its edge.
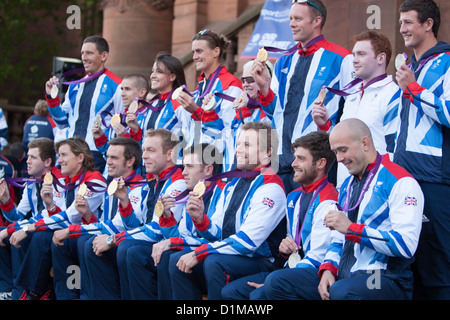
(302, 284)
(63, 257)
(218, 271)
(11, 259)
(99, 274)
(142, 273)
(34, 272)
(432, 258)
(122, 253)
(240, 290)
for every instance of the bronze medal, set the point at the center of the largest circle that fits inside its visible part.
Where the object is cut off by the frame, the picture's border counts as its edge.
(321, 97)
(134, 106)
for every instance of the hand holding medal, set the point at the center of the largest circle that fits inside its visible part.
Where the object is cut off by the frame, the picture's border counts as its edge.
(51, 87)
(209, 102)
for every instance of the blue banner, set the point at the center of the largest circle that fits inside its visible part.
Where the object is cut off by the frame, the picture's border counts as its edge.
(271, 30)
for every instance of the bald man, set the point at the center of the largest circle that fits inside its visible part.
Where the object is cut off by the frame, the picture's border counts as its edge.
(375, 231)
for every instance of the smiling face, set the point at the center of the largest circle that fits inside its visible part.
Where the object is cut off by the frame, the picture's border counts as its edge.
(194, 170)
(155, 159)
(205, 58)
(118, 166)
(349, 151)
(305, 169)
(93, 60)
(304, 27)
(249, 154)
(161, 79)
(412, 31)
(251, 88)
(69, 162)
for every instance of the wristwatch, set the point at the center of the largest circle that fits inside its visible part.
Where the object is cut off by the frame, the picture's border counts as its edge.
(110, 240)
(25, 228)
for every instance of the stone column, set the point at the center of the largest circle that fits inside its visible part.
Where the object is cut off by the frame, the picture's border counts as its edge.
(136, 31)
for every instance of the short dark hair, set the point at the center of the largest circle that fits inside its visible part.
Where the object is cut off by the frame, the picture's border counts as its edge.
(132, 148)
(79, 146)
(318, 144)
(207, 154)
(46, 148)
(100, 43)
(425, 9)
(139, 80)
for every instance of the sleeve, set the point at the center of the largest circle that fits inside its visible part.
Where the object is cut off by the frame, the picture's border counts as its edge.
(435, 104)
(134, 215)
(267, 208)
(59, 112)
(13, 213)
(405, 203)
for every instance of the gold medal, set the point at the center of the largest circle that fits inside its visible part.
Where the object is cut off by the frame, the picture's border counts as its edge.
(262, 55)
(54, 91)
(294, 259)
(115, 119)
(159, 208)
(82, 190)
(399, 60)
(200, 188)
(112, 188)
(48, 178)
(134, 106)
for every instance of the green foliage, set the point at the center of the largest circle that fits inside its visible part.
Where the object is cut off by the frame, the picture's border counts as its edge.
(27, 45)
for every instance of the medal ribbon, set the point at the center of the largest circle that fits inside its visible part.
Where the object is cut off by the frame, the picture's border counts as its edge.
(85, 79)
(369, 179)
(22, 182)
(353, 83)
(298, 238)
(210, 84)
(252, 103)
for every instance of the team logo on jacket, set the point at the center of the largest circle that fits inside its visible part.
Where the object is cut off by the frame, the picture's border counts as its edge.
(134, 199)
(268, 202)
(410, 201)
(175, 193)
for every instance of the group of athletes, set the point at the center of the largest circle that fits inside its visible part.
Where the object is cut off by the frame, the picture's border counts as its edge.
(319, 177)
